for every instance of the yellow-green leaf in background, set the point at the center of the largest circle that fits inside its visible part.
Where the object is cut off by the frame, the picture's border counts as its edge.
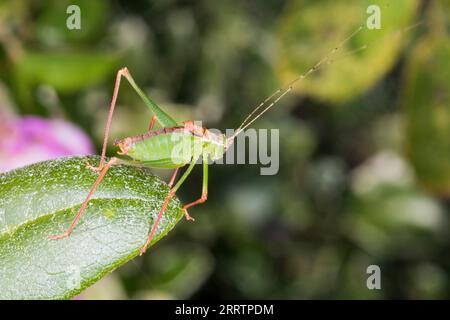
(309, 30)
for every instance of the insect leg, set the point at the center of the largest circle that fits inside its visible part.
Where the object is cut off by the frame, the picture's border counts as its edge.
(165, 204)
(164, 119)
(172, 179)
(119, 75)
(204, 195)
(152, 123)
(85, 202)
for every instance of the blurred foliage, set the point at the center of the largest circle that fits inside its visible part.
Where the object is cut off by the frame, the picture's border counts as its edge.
(427, 113)
(364, 152)
(360, 70)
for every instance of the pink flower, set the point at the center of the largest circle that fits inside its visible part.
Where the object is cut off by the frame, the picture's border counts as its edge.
(32, 139)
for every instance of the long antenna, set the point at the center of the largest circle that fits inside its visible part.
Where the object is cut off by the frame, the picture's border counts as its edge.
(280, 93)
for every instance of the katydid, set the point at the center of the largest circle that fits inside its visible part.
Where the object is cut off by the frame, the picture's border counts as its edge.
(166, 148)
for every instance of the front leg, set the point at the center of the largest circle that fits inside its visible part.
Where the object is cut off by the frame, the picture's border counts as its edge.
(172, 179)
(204, 195)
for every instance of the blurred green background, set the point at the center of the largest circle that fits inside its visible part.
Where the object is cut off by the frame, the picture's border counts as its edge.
(364, 143)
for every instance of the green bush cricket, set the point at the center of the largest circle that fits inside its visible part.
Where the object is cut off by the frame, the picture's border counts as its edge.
(177, 144)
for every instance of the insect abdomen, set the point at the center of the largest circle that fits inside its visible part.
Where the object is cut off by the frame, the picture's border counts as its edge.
(166, 150)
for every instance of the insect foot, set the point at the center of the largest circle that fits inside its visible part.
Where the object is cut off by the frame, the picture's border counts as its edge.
(143, 249)
(93, 168)
(187, 216)
(59, 236)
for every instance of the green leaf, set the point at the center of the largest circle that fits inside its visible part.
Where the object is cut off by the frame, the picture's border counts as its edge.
(66, 72)
(308, 30)
(42, 199)
(427, 113)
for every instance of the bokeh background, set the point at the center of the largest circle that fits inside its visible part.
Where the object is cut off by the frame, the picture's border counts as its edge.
(364, 143)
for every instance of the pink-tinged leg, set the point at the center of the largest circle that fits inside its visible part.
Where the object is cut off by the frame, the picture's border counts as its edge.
(119, 75)
(152, 123)
(204, 195)
(161, 212)
(166, 203)
(155, 224)
(202, 199)
(172, 179)
(83, 206)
